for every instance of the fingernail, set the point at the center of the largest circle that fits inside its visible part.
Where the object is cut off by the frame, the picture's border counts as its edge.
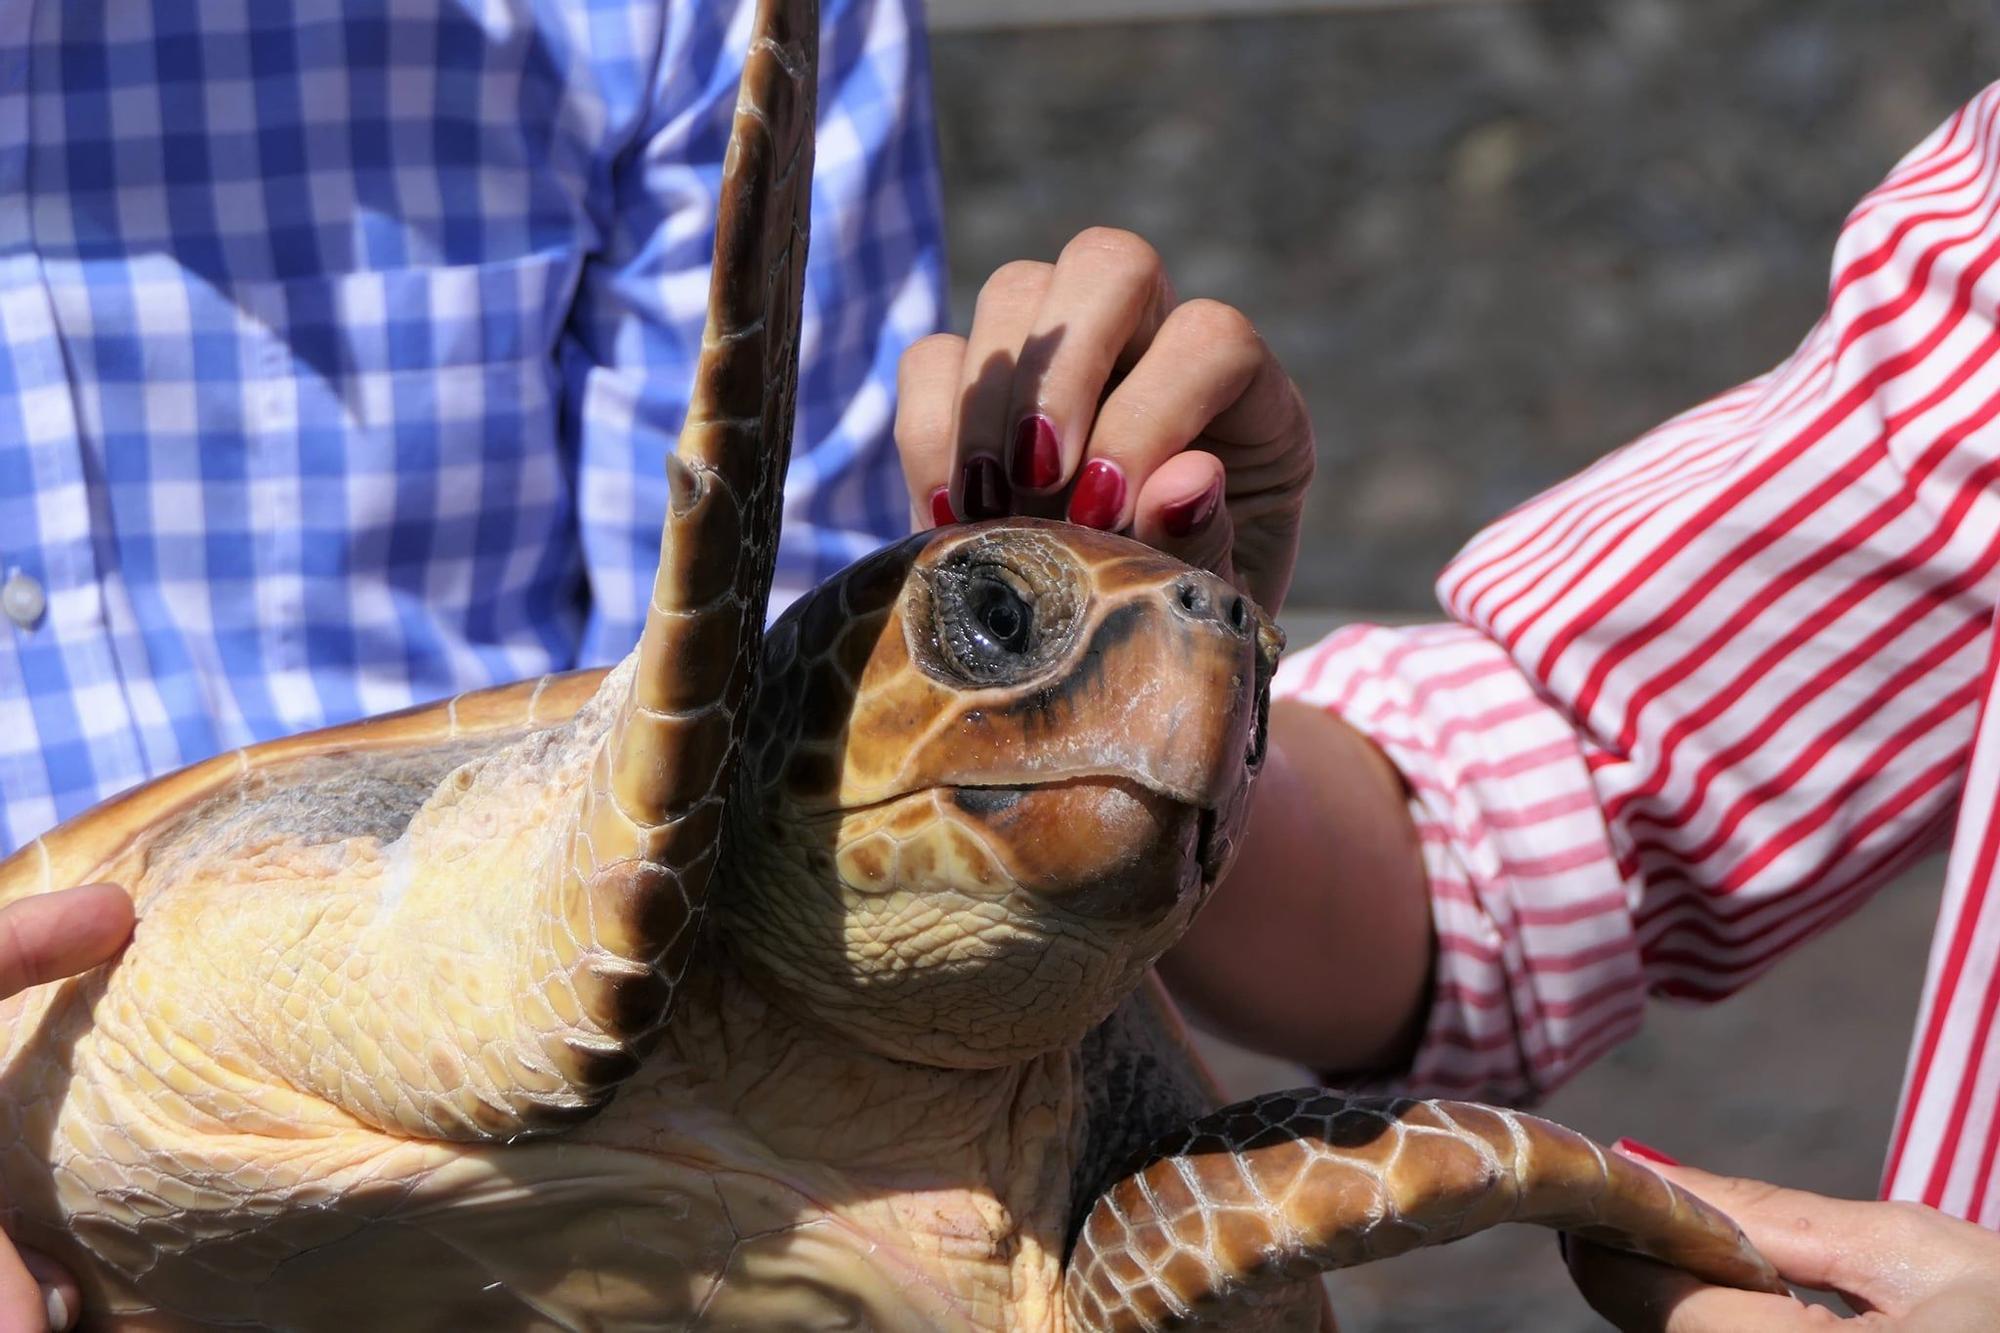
(986, 493)
(1099, 497)
(1036, 458)
(56, 1308)
(941, 515)
(1634, 1148)
(1184, 518)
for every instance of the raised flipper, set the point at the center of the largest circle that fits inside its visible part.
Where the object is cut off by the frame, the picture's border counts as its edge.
(644, 845)
(1269, 1191)
(617, 901)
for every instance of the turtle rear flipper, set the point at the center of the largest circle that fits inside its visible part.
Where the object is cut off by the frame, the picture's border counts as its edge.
(1266, 1192)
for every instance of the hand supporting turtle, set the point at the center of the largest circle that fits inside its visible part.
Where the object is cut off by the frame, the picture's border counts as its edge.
(1904, 1266)
(44, 939)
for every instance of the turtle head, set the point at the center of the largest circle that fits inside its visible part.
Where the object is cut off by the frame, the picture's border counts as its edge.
(992, 772)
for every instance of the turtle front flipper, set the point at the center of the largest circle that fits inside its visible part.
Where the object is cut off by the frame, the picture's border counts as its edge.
(1263, 1193)
(616, 898)
(634, 873)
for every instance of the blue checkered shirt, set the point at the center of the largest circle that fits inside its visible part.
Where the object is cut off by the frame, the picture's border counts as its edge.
(342, 343)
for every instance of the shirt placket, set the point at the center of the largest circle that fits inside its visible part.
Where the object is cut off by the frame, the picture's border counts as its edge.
(59, 688)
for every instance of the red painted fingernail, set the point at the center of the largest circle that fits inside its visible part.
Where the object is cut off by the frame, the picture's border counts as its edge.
(1184, 518)
(1036, 458)
(941, 515)
(1634, 1148)
(1099, 497)
(986, 493)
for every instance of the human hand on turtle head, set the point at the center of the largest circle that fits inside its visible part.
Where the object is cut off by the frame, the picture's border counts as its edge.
(46, 938)
(1901, 1266)
(1088, 390)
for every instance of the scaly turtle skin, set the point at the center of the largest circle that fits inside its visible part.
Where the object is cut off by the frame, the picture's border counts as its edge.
(796, 980)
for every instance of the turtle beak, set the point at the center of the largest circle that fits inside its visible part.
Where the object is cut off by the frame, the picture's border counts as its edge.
(1205, 597)
(1222, 824)
(1270, 647)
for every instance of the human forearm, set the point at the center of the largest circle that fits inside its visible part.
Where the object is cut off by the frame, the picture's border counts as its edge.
(1318, 945)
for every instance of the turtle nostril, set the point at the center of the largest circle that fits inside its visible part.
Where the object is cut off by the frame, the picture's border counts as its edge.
(1205, 597)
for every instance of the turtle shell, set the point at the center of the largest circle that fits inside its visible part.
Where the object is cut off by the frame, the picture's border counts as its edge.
(388, 765)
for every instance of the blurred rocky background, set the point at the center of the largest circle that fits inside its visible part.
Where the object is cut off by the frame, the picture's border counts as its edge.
(1493, 241)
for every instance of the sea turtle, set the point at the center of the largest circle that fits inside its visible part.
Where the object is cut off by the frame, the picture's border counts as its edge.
(786, 980)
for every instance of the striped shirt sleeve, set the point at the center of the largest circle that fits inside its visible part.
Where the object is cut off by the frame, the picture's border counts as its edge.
(1702, 699)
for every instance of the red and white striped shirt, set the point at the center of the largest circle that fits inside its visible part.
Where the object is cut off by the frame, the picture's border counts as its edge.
(1703, 699)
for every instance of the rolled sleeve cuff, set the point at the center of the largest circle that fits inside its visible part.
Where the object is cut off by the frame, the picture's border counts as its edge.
(1537, 969)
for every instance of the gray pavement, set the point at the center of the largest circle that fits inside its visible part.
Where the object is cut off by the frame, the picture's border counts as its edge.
(1491, 241)
(986, 16)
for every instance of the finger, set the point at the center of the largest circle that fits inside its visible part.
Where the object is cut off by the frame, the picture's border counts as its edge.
(26, 1303)
(55, 935)
(927, 383)
(1105, 301)
(1204, 358)
(1887, 1255)
(62, 1300)
(1000, 325)
(1641, 1296)
(1180, 511)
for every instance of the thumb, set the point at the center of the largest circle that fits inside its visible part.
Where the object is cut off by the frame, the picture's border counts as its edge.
(52, 935)
(1642, 1296)
(1880, 1255)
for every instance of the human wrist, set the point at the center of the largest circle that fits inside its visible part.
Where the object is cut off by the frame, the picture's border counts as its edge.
(1317, 947)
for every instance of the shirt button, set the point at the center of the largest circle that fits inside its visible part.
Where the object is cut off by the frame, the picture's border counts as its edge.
(22, 598)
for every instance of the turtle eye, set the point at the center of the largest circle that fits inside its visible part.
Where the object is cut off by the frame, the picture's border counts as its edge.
(998, 609)
(986, 624)
(1000, 616)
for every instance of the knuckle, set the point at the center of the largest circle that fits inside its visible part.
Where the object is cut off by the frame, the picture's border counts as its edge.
(1127, 251)
(1297, 467)
(1017, 280)
(928, 360)
(1298, 426)
(1217, 323)
(1762, 1194)
(935, 346)
(1907, 1217)
(16, 955)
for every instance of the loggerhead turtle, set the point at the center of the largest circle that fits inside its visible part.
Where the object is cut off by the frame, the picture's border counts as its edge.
(855, 919)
